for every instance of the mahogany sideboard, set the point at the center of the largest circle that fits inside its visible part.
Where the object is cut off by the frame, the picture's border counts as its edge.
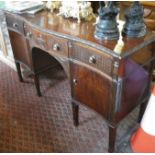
(111, 84)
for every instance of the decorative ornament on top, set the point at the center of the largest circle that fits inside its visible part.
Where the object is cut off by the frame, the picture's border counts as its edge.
(77, 9)
(53, 5)
(106, 27)
(134, 26)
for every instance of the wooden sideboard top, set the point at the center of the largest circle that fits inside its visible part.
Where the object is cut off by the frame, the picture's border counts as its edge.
(83, 32)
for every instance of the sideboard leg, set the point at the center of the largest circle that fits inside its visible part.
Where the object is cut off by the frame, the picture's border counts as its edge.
(141, 111)
(112, 138)
(37, 84)
(75, 108)
(19, 71)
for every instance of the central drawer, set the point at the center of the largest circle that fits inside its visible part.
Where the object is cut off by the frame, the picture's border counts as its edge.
(57, 45)
(52, 44)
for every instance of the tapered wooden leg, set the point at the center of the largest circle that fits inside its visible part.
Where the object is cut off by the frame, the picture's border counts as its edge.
(37, 84)
(112, 139)
(141, 111)
(75, 108)
(19, 71)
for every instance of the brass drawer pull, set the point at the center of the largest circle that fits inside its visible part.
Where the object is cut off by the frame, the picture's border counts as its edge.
(75, 81)
(56, 47)
(92, 60)
(15, 25)
(29, 34)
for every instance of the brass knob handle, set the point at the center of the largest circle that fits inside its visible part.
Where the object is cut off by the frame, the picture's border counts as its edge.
(75, 81)
(29, 34)
(25, 26)
(15, 25)
(92, 60)
(56, 47)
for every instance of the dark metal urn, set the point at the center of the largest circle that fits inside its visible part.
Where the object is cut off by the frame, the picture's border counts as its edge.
(106, 28)
(134, 25)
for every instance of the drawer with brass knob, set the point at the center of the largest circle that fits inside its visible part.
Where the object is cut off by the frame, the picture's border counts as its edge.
(57, 45)
(91, 56)
(14, 23)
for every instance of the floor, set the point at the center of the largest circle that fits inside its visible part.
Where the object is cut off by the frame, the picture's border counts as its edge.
(29, 123)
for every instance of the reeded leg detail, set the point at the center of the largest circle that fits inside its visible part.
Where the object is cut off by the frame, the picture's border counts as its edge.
(37, 84)
(75, 108)
(112, 139)
(19, 71)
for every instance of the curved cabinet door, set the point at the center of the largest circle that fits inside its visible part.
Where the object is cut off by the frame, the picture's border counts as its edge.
(91, 89)
(20, 48)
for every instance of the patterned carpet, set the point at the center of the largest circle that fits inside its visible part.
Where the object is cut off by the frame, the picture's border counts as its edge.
(44, 124)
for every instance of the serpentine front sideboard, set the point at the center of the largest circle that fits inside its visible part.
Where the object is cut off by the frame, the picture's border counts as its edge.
(111, 84)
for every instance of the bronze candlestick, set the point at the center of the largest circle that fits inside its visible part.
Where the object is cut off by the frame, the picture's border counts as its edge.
(134, 26)
(106, 28)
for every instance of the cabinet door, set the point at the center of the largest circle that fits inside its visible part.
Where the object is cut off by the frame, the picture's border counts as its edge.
(91, 89)
(5, 47)
(20, 48)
